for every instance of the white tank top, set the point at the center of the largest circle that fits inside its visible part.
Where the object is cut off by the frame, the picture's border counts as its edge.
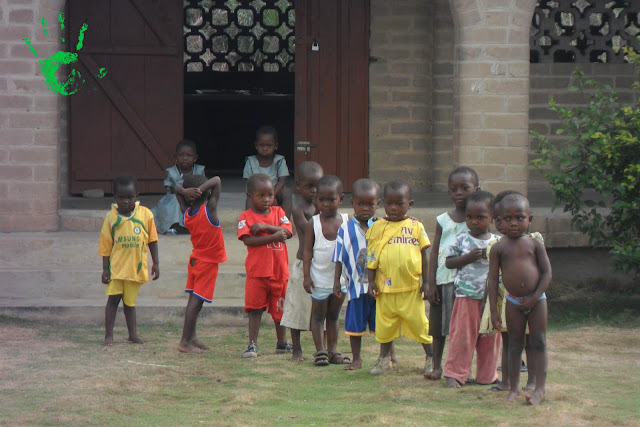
(322, 269)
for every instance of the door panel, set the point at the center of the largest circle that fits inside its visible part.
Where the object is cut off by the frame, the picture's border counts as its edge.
(131, 120)
(332, 85)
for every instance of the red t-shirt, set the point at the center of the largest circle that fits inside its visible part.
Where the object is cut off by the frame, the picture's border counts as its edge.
(206, 237)
(270, 260)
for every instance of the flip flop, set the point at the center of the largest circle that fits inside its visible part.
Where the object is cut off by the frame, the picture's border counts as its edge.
(337, 359)
(321, 358)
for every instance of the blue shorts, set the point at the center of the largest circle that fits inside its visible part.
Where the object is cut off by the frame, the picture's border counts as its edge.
(360, 313)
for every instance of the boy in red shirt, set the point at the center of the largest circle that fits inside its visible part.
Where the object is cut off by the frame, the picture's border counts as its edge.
(199, 202)
(264, 229)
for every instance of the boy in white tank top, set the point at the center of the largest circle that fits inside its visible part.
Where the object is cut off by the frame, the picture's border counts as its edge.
(319, 270)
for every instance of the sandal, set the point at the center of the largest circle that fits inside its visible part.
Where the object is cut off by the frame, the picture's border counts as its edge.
(337, 359)
(321, 358)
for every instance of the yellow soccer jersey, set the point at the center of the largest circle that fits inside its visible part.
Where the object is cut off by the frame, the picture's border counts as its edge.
(125, 240)
(395, 251)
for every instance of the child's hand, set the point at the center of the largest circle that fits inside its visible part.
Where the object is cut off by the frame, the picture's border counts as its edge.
(432, 295)
(155, 271)
(258, 227)
(496, 321)
(191, 194)
(373, 290)
(527, 303)
(106, 277)
(475, 254)
(307, 284)
(337, 289)
(424, 290)
(280, 236)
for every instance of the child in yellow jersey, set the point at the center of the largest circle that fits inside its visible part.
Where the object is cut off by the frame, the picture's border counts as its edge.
(396, 260)
(126, 232)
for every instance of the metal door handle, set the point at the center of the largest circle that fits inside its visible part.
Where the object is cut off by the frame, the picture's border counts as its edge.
(305, 146)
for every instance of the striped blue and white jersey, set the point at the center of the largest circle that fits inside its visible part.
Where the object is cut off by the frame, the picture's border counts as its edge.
(351, 251)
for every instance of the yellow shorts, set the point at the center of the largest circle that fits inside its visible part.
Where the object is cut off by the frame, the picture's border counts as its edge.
(401, 313)
(126, 288)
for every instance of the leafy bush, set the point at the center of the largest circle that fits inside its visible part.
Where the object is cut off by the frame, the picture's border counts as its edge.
(595, 173)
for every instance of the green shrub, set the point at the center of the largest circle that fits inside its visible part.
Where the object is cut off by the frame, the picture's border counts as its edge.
(595, 173)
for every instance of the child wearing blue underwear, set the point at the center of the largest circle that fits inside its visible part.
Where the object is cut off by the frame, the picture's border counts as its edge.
(319, 271)
(526, 274)
(441, 292)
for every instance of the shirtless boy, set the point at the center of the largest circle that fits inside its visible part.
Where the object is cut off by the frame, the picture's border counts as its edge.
(526, 274)
(297, 303)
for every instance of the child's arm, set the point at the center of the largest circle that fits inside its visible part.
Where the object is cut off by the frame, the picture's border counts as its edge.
(189, 194)
(251, 240)
(492, 286)
(215, 185)
(106, 272)
(425, 273)
(337, 288)
(373, 288)
(307, 256)
(282, 180)
(258, 227)
(544, 265)
(432, 289)
(155, 268)
(462, 260)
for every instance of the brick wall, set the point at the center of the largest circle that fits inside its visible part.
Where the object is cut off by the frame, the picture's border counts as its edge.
(400, 84)
(442, 96)
(29, 118)
(554, 79)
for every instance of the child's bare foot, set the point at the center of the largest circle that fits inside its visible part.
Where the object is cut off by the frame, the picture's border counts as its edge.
(529, 387)
(536, 397)
(189, 348)
(108, 341)
(434, 374)
(296, 355)
(452, 383)
(355, 365)
(199, 344)
(135, 340)
(500, 386)
(512, 395)
(470, 380)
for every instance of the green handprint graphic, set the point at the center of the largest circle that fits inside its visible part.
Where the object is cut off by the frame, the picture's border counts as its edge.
(51, 64)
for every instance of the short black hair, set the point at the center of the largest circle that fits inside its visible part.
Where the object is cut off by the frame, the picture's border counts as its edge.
(123, 181)
(501, 195)
(465, 170)
(193, 181)
(516, 198)
(187, 143)
(330, 181)
(255, 179)
(307, 168)
(481, 196)
(365, 185)
(397, 185)
(267, 130)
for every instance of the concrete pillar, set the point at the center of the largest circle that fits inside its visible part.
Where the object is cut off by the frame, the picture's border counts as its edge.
(492, 89)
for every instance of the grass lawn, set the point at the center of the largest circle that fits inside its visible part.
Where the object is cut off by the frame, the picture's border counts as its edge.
(60, 374)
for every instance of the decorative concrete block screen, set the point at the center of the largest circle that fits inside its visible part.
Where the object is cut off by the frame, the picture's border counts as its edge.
(583, 31)
(235, 35)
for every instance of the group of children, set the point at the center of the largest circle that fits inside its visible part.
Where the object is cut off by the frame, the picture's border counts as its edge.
(380, 265)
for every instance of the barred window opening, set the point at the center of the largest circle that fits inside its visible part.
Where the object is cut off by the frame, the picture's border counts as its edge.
(583, 31)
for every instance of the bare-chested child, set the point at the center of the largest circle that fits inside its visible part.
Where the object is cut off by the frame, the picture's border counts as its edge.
(526, 274)
(297, 303)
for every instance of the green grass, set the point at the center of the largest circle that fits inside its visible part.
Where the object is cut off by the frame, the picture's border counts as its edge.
(60, 374)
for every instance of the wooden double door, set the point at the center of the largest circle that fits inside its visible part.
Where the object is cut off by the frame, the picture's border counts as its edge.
(130, 120)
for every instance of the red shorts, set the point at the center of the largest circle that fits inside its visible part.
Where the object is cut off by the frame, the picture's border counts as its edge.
(263, 293)
(201, 280)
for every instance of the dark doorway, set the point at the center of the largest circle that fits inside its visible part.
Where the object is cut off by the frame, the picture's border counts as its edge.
(238, 76)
